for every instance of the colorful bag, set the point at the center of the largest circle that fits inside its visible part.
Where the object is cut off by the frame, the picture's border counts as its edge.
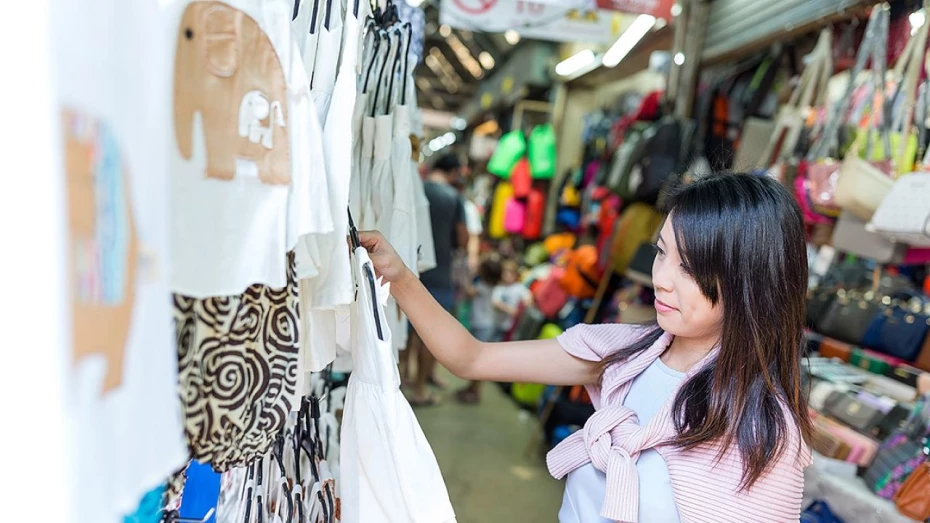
(514, 216)
(520, 178)
(535, 212)
(549, 295)
(900, 454)
(510, 148)
(542, 152)
(503, 193)
(904, 214)
(913, 500)
(582, 276)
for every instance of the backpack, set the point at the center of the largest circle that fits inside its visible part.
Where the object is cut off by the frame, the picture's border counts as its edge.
(510, 148)
(535, 210)
(503, 193)
(581, 277)
(661, 154)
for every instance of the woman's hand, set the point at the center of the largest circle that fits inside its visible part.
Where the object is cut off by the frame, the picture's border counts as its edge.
(383, 256)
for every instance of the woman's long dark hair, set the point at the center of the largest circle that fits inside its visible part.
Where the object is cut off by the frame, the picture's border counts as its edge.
(743, 238)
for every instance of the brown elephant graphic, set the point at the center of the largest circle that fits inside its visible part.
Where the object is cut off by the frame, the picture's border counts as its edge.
(227, 69)
(103, 247)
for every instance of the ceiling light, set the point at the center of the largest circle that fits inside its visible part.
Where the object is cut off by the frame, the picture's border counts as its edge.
(458, 123)
(445, 31)
(465, 56)
(423, 84)
(414, 3)
(487, 61)
(628, 40)
(512, 37)
(676, 9)
(575, 63)
(679, 58)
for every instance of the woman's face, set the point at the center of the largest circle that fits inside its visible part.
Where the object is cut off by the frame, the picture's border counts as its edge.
(681, 307)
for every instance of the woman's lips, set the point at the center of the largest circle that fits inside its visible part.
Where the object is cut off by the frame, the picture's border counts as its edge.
(664, 308)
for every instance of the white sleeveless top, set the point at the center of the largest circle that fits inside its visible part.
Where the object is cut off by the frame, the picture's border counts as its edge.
(585, 487)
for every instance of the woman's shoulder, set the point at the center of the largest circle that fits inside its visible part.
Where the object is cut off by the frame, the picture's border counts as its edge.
(596, 342)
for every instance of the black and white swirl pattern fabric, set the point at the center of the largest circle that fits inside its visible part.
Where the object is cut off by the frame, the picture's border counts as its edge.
(237, 364)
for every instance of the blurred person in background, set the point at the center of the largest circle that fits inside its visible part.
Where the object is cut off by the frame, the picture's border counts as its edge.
(482, 319)
(450, 235)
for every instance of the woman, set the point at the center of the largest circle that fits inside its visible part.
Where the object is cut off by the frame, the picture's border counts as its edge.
(699, 417)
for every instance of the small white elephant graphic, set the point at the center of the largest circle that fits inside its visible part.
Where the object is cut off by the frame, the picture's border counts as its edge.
(253, 111)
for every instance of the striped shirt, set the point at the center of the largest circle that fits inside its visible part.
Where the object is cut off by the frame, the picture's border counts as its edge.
(706, 488)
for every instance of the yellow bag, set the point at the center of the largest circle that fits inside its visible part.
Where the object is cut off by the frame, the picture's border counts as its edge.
(637, 225)
(904, 163)
(502, 194)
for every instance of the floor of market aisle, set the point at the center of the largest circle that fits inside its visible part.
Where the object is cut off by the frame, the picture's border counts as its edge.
(480, 449)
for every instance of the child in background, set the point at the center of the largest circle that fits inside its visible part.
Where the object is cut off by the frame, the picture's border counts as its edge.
(483, 323)
(507, 298)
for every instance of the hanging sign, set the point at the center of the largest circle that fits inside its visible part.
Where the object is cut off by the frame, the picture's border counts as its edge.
(567, 21)
(656, 8)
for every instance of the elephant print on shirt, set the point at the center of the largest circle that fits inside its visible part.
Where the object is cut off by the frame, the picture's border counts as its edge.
(103, 246)
(227, 69)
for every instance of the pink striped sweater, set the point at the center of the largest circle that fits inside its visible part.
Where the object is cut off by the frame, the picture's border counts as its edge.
(705, 489)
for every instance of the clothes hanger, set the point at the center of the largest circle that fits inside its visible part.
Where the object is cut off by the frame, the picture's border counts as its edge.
(374, 56)
(369, 275)
(374, 106)
(394, 69)
(313, 16)
(329, 13)
(409, 30)
(175, 517)
(296, 10)
(248, 494)
(278, 455)
(259, 490)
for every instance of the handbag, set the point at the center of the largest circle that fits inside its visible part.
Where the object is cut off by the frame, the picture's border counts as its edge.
(823, 173)
(850, 235)
(904, 214)
(830, 348)
(819, 512)
(818, 304)
(853, 411)
(922, 361)
(848, 316)
(549, 295)
(900, 330)
(510, 148)
(913, 499)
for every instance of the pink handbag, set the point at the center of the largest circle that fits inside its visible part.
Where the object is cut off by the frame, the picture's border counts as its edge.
(811, 217)
(514, 216)
(549, 295)
(820, 186)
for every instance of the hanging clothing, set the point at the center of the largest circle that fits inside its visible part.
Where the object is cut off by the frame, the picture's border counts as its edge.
(332, 286)
(237, 360)
(426, 247)
(774, 497)
(389, 472)
(245, 188)
(114, 346)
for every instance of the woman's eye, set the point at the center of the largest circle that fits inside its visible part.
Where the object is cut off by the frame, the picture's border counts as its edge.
(659, 251)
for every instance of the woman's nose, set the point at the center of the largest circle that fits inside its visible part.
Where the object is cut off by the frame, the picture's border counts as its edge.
(660, 277)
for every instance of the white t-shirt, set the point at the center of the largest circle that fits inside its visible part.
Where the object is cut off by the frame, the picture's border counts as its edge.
(229, 234)
(473, 218)
(122, 403)
(585, 488)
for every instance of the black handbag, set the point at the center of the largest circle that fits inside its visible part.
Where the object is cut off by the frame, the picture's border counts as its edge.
(818, 303)
(852, 411)
(848, 316)
(529, 324)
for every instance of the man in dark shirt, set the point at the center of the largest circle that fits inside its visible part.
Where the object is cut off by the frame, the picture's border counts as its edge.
(450, 234)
